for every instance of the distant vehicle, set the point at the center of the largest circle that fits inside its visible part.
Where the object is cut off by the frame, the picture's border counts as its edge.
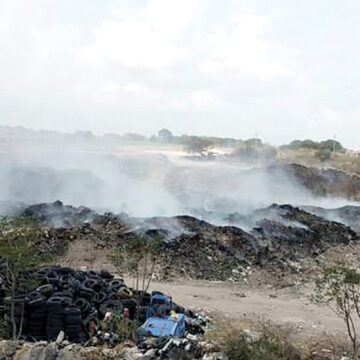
(159, 322)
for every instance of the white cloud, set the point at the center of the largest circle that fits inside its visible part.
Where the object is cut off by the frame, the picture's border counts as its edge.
(328, 116)
(243, 49)
(148, 39)
(203, 98)
(110, 86)
(189, 65)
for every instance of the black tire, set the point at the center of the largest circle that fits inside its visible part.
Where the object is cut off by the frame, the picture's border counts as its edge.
(82, 304)
(116, 283)
(124, 292)
(72, 319)
(132, 305)
(86, 292)
(36, 324)
(38, 316)
(73, 329)
(72, 311)
(106, 275)
(160, 342)
(52, 277)
(66, 271)
(79, 275)
(37, 302)
(99, 298)
(65, 280)
(45, 290)
(93, 274)
(142, 311)
(90, 283)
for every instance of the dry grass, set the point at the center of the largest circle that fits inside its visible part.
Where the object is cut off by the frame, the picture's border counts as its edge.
(306, 157)
(269, 341)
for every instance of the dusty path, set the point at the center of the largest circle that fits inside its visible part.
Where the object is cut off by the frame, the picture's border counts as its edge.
(287, 306)
(294, 309)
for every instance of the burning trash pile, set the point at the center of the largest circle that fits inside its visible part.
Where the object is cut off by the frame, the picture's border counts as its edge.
(93, 307)
(279, 238)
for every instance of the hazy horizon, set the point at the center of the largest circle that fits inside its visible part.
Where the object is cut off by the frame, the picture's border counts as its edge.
(283, 71)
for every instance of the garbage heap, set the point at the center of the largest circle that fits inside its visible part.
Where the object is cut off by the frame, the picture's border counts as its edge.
(74, 302)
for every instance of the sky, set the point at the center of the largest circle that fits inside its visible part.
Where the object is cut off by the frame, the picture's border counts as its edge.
(280, 69)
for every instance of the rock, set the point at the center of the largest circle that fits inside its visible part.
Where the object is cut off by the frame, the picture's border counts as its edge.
(110, 353)
(29, 352)
(70, 347)
(49, 352)
(242, 295)
(251, 336)
(64, 355)
(8, 348)
(41, 343)
(215, 356)
(151, 354)
(131, 354)
(60, 337)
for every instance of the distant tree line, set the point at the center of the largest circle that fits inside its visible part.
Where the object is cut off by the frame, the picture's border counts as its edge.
(330, 145)
(202, 145)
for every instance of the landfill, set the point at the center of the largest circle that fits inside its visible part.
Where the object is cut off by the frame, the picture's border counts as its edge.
(92, 308)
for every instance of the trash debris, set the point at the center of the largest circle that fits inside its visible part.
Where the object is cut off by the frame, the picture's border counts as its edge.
(93, 307)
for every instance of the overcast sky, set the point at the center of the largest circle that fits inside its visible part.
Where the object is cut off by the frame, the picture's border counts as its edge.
(282, 69)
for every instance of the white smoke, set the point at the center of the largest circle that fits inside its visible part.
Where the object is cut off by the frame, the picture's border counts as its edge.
(144, 183)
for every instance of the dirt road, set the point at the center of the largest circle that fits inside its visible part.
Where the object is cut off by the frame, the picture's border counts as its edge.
(289, 306)
(285, 307)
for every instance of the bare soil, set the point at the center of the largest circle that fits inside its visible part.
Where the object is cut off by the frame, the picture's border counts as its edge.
(287, 307)
(291, 306)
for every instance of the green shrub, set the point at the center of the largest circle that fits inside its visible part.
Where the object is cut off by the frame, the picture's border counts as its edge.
(323, 155)
(5, 330)
(268, 342)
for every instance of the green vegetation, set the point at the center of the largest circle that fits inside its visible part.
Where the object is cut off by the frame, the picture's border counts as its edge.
(323, 155)
(338, 287)
(197, 145)
(18, 254)
(138, 257)
(264, 153)
(266, 341)
(329, 145)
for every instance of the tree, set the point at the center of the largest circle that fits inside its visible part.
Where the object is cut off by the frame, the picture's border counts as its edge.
(253, 143)
(137, 256)
(339, 288)
(165, 135)
(197, 145)
(323, 155)
(18, 254)
(332, 145)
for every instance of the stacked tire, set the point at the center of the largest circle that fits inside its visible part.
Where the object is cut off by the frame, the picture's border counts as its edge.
(38, 315)
(67, 300)
(73, 325)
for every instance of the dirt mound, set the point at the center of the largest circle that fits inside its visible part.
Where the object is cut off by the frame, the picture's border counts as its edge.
(322, 182)
(348, 215)
(280, 236)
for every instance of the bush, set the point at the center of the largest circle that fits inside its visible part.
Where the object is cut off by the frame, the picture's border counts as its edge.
(5, 330)
(338, 287)
(268, 342)
(323, 155)
(265, 153)
(331, 145)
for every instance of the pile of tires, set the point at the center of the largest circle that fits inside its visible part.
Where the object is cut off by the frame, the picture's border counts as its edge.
(68, 299)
